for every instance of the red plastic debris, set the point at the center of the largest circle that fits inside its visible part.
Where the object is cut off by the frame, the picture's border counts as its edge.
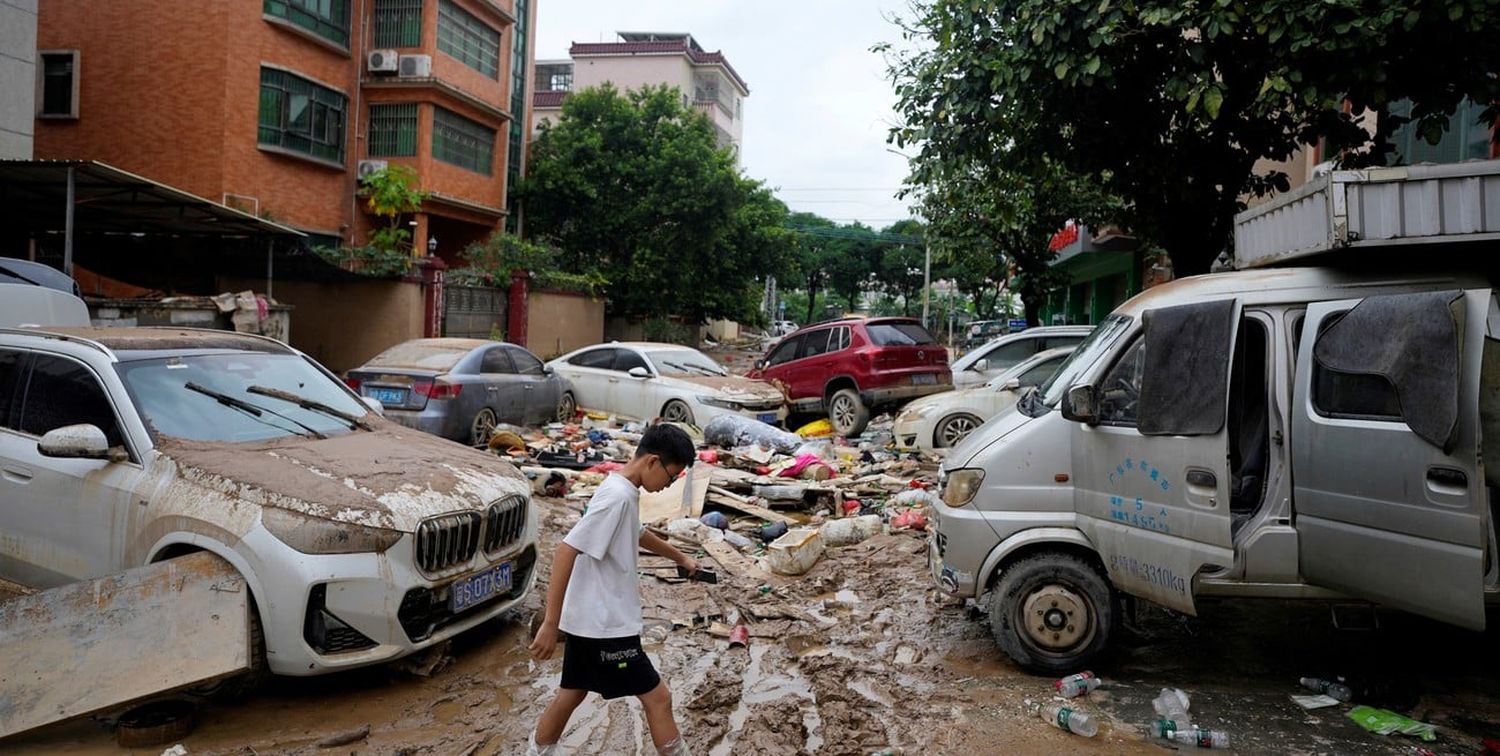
(711, 456)
(911, 518)
(739, 636)
(920, 485)
(851, 506)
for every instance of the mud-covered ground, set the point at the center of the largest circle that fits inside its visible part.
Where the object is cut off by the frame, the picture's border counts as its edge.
(867, 658)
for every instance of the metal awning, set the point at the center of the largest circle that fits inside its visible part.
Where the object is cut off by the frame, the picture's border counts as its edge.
(107, 200)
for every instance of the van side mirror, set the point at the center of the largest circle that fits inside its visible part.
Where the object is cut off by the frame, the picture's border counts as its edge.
(78, 442)
(1081, 405)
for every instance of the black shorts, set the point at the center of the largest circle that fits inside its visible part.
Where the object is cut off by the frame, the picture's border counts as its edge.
(611, 667)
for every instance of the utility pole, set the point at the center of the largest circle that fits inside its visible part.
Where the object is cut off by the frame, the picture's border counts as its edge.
(926, 278)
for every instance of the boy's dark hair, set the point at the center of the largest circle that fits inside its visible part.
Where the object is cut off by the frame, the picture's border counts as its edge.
(668, 442)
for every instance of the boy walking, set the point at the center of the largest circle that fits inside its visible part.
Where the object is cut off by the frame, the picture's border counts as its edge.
(595, 601)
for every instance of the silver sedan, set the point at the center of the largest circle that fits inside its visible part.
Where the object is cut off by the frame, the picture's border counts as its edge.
(461, 389)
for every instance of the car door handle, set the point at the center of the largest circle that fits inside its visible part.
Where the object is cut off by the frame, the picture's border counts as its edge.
(528, 387)
(1449, 478)
(1202, 478)
(17, 474)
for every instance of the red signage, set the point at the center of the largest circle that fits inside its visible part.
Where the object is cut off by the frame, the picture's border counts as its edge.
(1063, 238)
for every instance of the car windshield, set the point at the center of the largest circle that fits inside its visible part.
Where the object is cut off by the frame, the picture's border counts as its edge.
(219, 405)
(423, 356)
(1101, 340)
(899, 334)
(687, 362)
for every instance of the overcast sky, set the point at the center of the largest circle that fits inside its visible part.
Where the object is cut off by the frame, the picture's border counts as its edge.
(819, 105)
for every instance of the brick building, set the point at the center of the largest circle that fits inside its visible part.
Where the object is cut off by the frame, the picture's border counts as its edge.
(277, 106)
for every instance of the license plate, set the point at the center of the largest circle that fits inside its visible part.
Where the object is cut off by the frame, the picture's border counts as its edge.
(388, 396)
(767, 417)
(475, 589)
(924, 379)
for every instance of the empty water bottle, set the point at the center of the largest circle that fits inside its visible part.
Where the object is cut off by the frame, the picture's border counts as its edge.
(1074, 686)
(1335, 690)
(1172, 706)
(1202, 738)
(1070, 719)
(1163, 728)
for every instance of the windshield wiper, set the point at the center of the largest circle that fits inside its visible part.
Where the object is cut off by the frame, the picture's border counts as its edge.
(254, 410)
(355, 423)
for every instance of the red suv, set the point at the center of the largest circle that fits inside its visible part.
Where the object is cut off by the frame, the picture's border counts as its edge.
(848, 368)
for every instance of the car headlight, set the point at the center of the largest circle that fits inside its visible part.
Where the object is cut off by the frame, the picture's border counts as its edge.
(714, 401)
(961, 486)
(314, 535)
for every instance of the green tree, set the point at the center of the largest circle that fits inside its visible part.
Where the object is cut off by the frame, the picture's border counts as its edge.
(634, 186)
(391, 193)
(1170, 104)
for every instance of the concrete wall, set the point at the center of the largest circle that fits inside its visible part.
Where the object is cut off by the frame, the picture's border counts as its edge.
(634, 72)
(17, 78)
(343, 325)
(558, 323)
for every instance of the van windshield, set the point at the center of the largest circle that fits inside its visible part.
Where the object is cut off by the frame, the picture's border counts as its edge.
(1100, 341)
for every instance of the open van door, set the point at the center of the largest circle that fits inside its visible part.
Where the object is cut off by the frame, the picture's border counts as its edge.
(1389, 493)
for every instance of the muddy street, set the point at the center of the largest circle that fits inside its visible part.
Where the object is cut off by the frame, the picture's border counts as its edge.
(860, 656)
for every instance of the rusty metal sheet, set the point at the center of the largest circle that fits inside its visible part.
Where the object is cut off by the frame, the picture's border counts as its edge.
(97, 644)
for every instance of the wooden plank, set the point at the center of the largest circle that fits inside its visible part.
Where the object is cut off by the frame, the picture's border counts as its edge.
(738, 564)
(684, 498)
(728, 500)
(100, 643)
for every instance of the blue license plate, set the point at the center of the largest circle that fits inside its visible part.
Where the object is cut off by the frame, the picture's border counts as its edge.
(767, 417)
(388, 396)
(924, 379)
(478, 588)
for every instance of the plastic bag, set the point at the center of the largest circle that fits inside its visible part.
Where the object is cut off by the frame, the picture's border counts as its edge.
(914, 497)
(816, 429)
(850, 530)
(730, 431)
(1385, 722)
(689, 529)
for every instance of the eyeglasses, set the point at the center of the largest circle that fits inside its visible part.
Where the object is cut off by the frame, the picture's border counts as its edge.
(671, 474)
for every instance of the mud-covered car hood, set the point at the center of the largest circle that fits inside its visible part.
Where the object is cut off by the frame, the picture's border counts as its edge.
(732, 387)
(389, 477)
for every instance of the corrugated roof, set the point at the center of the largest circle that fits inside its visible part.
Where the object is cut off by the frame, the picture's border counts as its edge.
(548, 99)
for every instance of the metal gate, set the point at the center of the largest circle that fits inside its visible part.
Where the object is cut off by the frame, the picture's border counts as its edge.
(473, 312)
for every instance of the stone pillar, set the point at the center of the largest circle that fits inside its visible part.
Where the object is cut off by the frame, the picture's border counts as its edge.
(518, 305)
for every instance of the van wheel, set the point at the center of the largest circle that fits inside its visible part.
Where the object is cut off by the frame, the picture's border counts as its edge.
(1052, 613)
(954, 429)
(847, 413)
(482, 428)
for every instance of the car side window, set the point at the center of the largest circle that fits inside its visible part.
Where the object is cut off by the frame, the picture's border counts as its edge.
(1010, 354)
(785, 352)
(62, 392)
(815, 343)
(1039, 373)
(1352, 396)
(526, 362)
(839, 340)
(1120, 391)
(603, 359)
(12, 363)
(1055, 342)
(627, 360)
(496, 361)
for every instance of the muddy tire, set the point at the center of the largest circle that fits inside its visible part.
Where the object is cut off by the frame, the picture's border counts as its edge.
(482, 427)
(567, 408)
(1052, 613)
(953, 429)
(847, 413)
(677, 411)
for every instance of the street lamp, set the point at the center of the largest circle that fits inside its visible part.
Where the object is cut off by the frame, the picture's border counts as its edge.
(432, 245)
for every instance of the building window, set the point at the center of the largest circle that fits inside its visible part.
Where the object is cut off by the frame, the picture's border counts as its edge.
(513, 152)
(468, 39)
(301, 116)
(398, 23)
(393, 130)
(560, 82)
(58, 84)
(1464, 139)
(462, 142)
(328, 19)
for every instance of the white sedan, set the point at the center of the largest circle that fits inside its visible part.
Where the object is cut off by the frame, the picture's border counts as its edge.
(942, 420)
(679, 384)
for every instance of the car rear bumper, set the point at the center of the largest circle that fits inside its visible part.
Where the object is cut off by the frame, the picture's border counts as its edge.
(435, 420)
(879, 397)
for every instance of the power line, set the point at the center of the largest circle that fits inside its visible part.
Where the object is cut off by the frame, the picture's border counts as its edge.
(842, 233)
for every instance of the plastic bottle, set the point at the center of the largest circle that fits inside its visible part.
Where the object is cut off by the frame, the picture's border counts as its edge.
(1216, 739)
(1163, 728)
(1334, 690)
(1070, 719)
(1074, 686)
(1172, 706)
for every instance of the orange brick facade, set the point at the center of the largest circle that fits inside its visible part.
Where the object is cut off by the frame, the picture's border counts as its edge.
(172, 91)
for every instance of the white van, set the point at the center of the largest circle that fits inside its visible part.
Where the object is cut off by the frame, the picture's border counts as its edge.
(1293, 433)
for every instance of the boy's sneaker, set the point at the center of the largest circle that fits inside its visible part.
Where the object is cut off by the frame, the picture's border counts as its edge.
(677, 747)
(532, 749)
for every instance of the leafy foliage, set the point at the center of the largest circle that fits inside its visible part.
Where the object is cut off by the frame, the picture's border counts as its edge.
(391, 193)
(370, 260)
(492, 261)
(635, 188)
(1170, 104)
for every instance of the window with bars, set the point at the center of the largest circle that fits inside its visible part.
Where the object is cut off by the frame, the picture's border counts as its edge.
(462, 142)
(328, 19)
(393, 130)
(468, 39)
(300, 115)
(398, 23)
(518, 98)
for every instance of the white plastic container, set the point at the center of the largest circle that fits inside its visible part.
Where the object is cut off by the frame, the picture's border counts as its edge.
(795, 552)
(850, 530)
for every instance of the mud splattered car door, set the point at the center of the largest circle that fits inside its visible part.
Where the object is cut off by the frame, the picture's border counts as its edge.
(1390, 491)
(1150, 454)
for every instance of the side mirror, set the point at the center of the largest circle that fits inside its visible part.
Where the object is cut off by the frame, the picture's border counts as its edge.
(762, 364)
(981, 366)
(1013, 384)
(374, 405)
(547, 370)
(1081, 405)
(639, 372)
(78, 442)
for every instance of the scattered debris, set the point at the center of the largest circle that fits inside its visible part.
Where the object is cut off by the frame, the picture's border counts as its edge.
(1385, 722)
(795, 552)
(345, 738)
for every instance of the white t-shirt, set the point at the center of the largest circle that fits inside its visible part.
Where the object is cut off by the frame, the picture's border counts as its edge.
(603, 598)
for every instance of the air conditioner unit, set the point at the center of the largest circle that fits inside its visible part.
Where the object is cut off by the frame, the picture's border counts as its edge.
(367, 167)
(381, 61)
(416, 65)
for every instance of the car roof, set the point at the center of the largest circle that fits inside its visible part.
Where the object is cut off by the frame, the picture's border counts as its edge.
(1290, 286)
(138, 340)
(642, 345)
(450, 342)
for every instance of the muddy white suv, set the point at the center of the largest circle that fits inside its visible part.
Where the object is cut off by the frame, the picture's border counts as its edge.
(361, 541)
